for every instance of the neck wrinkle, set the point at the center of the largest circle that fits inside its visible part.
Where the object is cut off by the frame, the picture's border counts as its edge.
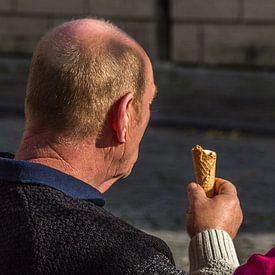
(94, 169)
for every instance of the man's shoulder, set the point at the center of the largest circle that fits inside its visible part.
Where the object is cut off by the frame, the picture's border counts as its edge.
(65, 213)
(78, 234)
(91, 230)
(53, 211)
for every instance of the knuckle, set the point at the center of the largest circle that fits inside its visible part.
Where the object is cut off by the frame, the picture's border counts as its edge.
(188, 211)
(233, 202)
(234, 189)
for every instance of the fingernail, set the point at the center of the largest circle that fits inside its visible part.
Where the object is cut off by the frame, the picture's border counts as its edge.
(192, 186)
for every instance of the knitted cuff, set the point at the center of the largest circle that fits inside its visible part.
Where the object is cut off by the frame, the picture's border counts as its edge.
(211, 246)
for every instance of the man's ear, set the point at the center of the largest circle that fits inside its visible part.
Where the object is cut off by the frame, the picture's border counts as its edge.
(120, 119)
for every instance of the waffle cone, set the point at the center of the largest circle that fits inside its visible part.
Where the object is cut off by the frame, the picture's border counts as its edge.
(205, 168)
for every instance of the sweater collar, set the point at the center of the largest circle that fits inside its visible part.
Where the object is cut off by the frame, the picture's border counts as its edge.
(25, 172)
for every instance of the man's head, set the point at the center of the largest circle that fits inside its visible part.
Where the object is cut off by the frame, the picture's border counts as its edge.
(78, 72)
(89, 79)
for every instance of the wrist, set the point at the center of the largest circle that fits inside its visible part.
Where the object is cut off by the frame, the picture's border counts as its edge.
(213, 245)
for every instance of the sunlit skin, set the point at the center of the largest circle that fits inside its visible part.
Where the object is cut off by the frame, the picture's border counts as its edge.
(102, 166)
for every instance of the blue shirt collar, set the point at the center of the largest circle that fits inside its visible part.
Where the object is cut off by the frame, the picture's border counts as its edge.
(25, 172)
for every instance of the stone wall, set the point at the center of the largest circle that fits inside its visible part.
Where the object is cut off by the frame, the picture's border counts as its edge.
(22, 22)
(214, 32)
(223, 32)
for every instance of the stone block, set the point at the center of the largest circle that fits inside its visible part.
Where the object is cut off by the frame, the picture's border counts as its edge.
(239, 44)
(259, 10)
(123, 8)
(204, 9)
(5, 5)
(144, 33)
(51, 6)
(20, 34)
(185, 43)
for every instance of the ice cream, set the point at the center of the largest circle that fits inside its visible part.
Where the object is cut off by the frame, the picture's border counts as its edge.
(205, 168)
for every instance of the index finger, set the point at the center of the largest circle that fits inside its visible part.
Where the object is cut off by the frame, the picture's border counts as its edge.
(223, 186)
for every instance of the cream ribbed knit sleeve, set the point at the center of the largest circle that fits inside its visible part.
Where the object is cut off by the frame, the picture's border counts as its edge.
(212, 252)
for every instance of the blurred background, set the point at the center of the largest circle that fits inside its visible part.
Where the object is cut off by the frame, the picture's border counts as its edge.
(214, 64)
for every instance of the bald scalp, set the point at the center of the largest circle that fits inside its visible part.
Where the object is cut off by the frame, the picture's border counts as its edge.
(79, 71)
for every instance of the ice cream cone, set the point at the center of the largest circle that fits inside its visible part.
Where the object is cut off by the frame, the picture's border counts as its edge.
(205, 168)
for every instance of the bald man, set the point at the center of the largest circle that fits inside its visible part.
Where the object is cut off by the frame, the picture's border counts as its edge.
(87, 106)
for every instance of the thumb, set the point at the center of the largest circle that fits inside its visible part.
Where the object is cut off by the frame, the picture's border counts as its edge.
(195, 192)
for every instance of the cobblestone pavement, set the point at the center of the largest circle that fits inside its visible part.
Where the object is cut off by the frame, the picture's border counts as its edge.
(153, 197)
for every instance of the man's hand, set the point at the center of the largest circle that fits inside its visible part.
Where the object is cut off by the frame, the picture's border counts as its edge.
(223, 211)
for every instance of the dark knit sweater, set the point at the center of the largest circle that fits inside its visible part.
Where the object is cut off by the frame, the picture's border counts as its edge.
(43, 231)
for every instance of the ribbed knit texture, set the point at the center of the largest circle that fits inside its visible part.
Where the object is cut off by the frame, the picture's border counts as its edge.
(211, 249)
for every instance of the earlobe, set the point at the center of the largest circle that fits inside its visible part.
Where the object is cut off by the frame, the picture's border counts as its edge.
(121, 117)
